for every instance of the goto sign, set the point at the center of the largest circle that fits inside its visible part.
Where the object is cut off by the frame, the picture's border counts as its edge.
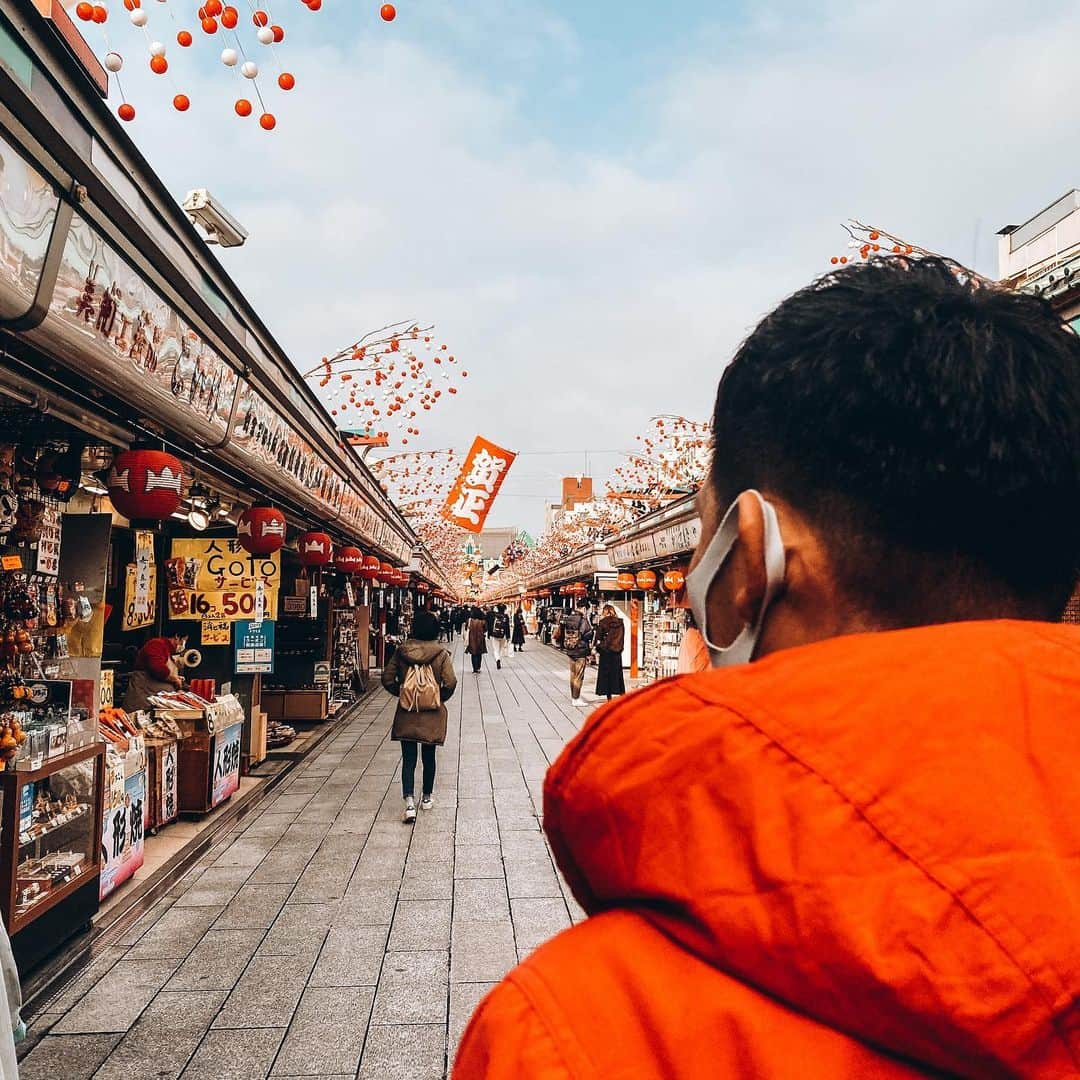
(216, 580)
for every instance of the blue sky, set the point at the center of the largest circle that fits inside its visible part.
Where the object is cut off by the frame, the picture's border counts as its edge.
(595, 202)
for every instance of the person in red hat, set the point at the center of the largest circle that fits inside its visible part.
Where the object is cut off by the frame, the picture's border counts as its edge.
(155, 671)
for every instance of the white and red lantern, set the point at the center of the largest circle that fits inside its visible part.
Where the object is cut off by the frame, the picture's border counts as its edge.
(626, 581)
(646, 580)
(315, 549)
(674, 580)
(146, 485)
(349, 560)
(369, 571)
(261, 530)
(386, 573)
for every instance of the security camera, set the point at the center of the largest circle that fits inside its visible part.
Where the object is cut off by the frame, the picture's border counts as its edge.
(218, 224)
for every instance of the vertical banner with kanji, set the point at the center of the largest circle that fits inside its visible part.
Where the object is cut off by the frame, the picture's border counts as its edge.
(474, 491)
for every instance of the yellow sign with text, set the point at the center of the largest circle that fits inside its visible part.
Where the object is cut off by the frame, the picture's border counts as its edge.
(216, 632)
(216, 581)
(129, 620)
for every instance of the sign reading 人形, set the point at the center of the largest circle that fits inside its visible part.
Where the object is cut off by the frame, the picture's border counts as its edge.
(474, 491)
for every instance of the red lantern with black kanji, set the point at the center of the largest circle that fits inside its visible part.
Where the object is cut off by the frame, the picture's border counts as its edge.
(349, 560)
(626, 581)
(646, 579)
(261, 530)
(369, 571)
(315, 549)
(146, 485)
(674, 580)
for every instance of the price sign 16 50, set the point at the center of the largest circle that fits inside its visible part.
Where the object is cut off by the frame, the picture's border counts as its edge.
(221, 605)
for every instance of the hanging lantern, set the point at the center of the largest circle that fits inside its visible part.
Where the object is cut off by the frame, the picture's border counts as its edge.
(146, 485)
(315, 548)
(626, 581)
(349, 560)
(369, 570)
(261, 530)
(674, 580)
(386, 573)
(646, 579)
(423, 587)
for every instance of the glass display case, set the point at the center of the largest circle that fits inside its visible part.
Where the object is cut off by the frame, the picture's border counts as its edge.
(51, 824)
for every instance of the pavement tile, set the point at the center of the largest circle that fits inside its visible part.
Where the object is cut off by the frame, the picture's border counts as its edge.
(351, 956)
(481, 951)
(464, 998)
(270, 824)
(478, 861)
(282, 867)
(235, 1055)
(404, 1052)
(367, 903)
(67, 1057)
(299, 931)
(145, 921)
(266, 995)
(175, 934)
(246, 851)
(164, 1037)
(412, 988)
(327, 1032)
(480, 900)
(421, 925)
(217, 962)
(536, 920)
(118, 999)
(85, 981)
(254, 907)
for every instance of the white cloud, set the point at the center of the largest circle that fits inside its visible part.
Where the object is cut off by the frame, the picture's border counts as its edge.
(586, 291)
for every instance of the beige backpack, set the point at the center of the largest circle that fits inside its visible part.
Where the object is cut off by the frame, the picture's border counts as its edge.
(420, 689)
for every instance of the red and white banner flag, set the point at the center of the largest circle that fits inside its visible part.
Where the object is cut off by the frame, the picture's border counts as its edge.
(475, 489)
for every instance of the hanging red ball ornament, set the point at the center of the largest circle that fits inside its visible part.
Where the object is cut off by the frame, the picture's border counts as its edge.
(388, 12)
(243, 107)
(279, 34)
(159, 65)
(126, 112)
(268, 121)
(349, 560)
(260, 18)
(209, 26)
(84, 11)
(261, 530)
(315, 549)
(100, 14)
(286, 80)
(145, 485)
(229, 18)
(314, 5)
(213, 7)
(181, 103)
(184, 39)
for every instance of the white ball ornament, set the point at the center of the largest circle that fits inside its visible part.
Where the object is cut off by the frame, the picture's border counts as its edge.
(139, 17)
(229, 57)
(113, 62)
(265, 35)
(157, 49)
(249, 69)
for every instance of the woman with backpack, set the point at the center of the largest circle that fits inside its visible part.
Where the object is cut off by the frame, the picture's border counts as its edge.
(610, 638)
(421, 675)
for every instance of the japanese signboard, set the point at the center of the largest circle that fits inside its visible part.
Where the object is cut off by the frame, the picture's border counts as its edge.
(226, 777)
(122, 831)
(216, 632)
(213, 579)
(254, 648)
(131, 619)
(474, 491)
(167, 782)
(48, 552)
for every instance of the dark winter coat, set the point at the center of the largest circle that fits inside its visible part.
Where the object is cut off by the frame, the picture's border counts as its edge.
(519, 629)
(477, 637)
(610, 634)
(428, 726)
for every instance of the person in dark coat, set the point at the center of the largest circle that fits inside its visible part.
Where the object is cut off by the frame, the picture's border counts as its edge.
(518, 638)
(427, 729)
(477, 634)
(610, 637)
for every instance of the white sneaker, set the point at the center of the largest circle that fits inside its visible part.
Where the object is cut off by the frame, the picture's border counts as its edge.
(410, 811)
(426, 803)
(578, 703)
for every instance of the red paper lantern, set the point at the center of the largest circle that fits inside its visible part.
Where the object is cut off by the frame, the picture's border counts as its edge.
(626, 581)
(369, 571)
(261, 530)
(315, 549)
(674, 580)
(386, 573)
(423, 587)
(146, 485)
(349, 560)
(646, 579)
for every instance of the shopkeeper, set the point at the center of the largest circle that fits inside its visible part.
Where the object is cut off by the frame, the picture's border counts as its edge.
(155, 671)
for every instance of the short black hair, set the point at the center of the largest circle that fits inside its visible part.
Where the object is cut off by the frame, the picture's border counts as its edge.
(425, 626)
(927, 425)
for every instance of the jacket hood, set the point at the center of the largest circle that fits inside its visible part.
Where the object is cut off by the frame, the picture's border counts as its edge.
(882, 831)
(420, 652)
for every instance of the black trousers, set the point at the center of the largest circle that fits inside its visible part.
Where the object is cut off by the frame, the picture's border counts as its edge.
(408, 767)
(477, 660)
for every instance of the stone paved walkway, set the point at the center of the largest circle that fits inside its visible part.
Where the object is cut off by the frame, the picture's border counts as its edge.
(324, 937)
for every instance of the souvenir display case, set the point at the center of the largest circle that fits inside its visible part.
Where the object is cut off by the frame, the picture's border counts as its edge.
(50, 824)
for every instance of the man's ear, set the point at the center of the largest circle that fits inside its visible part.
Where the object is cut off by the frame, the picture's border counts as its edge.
(751, 578)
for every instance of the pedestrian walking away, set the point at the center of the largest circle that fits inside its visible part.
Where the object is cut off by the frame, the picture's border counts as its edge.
(577, 634)
(849, 849)
(610, 638)
(499, 634)
(421, 675)
(446, 630)
(477, 643)
(518, 639)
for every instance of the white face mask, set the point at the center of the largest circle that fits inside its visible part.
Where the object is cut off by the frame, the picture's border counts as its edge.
(699, 581)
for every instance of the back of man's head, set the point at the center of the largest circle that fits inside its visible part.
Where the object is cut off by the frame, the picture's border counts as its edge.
(927, 426)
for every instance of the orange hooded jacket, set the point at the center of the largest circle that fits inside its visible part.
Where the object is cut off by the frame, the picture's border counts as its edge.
(860, 858)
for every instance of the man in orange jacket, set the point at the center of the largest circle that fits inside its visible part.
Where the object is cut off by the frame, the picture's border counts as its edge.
(859, 855)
